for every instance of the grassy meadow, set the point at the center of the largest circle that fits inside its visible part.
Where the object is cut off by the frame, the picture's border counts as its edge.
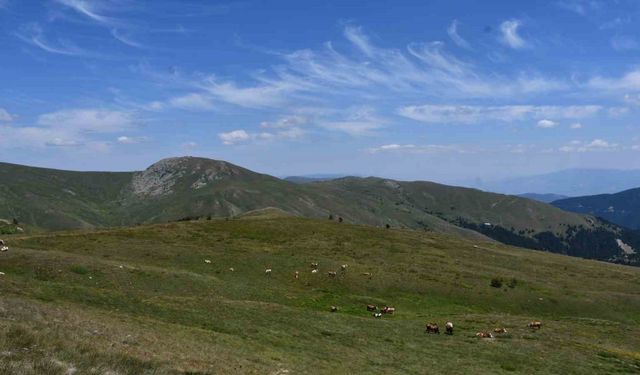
(142, 300)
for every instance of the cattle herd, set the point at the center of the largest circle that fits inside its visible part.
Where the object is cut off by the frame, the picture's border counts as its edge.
(430, 328)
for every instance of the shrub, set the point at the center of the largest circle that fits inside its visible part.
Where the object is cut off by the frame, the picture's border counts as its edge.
(496, 282)
(80, 270)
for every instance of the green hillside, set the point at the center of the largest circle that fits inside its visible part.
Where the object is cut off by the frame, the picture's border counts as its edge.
(183, 188)
(144, 301)
(621, 208)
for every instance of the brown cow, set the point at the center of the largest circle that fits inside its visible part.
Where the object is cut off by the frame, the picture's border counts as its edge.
(432, 328)
(332, 274)
(484, 335)
(535, 324)
(500, 331)
(372, 308)
(388, 310)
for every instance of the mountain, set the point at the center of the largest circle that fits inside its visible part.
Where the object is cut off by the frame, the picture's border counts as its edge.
(545, 198)
(571, 182)
(621, 208)
(312, 178)
(187, 188)
(142, 300)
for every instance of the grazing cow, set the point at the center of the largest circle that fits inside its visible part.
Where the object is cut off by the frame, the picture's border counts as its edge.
(4, 248)
(388, 310)
(207, 261)
(484, 335)
(500, 331)
(267, 272)
(448, 328)
(377, 315)
(296, 274)
(332, 274)
(432, 328)
(344, 267)
(2, 242)
(371, 308)
(314, 271)
(535, 324)
(314, 265)
(334, 308)
(232, 269)
(1, 273)
(368, 274)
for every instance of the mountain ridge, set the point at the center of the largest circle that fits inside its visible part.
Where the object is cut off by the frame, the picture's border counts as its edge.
(190, 187)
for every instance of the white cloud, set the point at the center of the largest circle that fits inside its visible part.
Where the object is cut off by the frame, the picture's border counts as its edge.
(546, 124)
(242, 136)
(510, 35)
(88, 120)
(594, 145)
(632, 99)
(446, 114)
(308, 77)
(130, 140)
(284, 122)
(576, 126)
(87, 8)
(417, 149)
(233, 137)
(5, 116)
(357, 121)
(358, 38)
(65, 128)
(618, 111)
(452, 30)
(630, 81)
(192, 101)
(33, 34)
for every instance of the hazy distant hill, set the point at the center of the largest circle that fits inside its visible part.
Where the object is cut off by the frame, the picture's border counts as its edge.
(313, 178)
(179, 188)
(546, 198)
(571, 182)
(621, 208)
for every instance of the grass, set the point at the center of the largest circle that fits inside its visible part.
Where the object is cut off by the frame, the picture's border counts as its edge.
(143, 301)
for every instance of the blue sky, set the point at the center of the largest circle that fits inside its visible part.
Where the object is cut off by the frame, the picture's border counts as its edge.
(436, 90)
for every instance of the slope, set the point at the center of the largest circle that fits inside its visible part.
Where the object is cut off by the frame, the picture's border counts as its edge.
(621, 208)
(143, 300)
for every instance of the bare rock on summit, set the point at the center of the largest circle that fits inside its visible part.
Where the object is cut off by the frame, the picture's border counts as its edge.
(160, 179)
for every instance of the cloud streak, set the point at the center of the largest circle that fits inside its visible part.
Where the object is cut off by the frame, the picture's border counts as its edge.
(452, 31)
(510, 35)
(463, 114)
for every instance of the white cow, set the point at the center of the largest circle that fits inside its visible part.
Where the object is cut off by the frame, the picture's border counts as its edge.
(267, 272)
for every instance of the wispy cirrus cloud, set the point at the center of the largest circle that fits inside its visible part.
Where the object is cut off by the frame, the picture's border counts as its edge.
(5, 116)
(34, 35)
(510, 36)
(96, 10)
(463, 114)
(307, 76)
(418, 149)
(452, 31)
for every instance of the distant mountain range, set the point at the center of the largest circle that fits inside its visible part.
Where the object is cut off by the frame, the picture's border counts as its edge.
(546, 198)
(621, 208)
(312, 178)
(188, 188)
(570, 182)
